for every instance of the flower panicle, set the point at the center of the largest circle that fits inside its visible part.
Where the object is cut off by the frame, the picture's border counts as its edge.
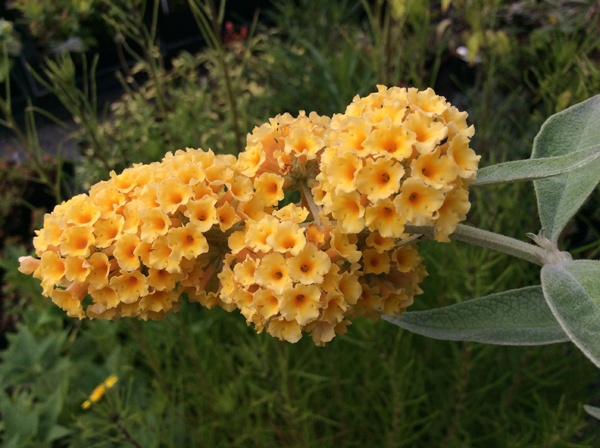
(219, 229)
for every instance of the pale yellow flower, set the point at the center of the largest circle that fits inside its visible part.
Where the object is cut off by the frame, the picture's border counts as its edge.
(186, 242)
(301, 303)
(379, 179)
(417, 202)
(429, 133)
(309, 266)
(287, 237)
(273, 273)
(346, 208)
(77, 241)
(384, 219)
(434, 170)
(269, 186)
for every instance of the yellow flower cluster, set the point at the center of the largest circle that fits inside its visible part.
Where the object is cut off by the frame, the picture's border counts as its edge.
(290, 277)
(215, 228)
(394, 157)
(140, 239)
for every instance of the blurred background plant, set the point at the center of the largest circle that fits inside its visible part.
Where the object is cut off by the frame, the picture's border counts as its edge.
(50, 23)
(201, 378)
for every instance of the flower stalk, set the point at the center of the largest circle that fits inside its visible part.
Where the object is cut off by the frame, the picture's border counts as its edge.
(495, 241)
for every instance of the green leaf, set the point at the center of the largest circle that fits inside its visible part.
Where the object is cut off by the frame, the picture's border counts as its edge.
(572, 130)
(517, 317)
(19, 415)
(572, 290)
(531, 169)
(593, 411)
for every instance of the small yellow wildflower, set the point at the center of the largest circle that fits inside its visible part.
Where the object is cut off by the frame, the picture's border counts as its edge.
(99, 391)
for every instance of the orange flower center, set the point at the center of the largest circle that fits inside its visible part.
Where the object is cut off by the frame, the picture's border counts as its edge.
(414, 197)
(300, 299)
(390, 146)
(289, 243)
(387, 212)
(278, 275)
(384, 178)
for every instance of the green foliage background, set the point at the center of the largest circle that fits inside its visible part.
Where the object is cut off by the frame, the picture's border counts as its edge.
(202, 378)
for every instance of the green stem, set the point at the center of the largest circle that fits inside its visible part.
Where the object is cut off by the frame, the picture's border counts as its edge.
(495, 241)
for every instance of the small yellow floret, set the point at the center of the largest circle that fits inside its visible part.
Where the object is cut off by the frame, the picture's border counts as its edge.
(81, 211)
(273, 273)
(287, 237)
(266, 303)
(202, 213)
(76, 269)
(427, 102)
(130, 286)
(124, 252)
(301, 303)
(417, 202)
(390, 141)
(269, 186)
(309, 266)
(434, 170)
(53, 268)
(77, 242)
(107, 231)
(380, 243)
(154, 223)
(292, 212)
(186, 242)
(171, 194)
(303, 142)
(429, 133)
(379, 178)
(383, 218)
(465, 157)
(347, 209)
(285, 330)
(342, 172)
(227, 217)
(375, 262)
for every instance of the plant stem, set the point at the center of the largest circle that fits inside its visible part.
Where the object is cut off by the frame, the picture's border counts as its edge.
(490, 240)
(314, 208)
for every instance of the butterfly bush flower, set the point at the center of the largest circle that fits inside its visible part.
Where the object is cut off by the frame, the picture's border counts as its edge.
(406, 154)
(214, 227)
(141, 239)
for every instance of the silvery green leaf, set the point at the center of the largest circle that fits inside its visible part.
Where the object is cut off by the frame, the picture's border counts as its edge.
(572, 290)
(532, 169)
(516, 317)
(572, 130)
(593, 411)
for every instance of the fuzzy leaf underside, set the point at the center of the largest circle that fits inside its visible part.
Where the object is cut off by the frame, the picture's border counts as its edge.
(572, 290)
(516, 317)
(570, 131)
